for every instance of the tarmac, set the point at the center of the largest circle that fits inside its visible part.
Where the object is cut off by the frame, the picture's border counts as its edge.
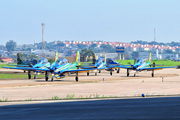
(165, 83)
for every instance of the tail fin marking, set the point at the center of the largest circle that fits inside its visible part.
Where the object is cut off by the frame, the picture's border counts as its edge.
(78, 58)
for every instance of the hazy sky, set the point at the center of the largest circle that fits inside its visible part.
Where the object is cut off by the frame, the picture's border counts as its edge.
(84, 20)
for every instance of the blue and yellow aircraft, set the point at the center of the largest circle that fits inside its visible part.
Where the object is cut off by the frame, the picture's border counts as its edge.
(141, 65)
(107, 64)
(41, 64)
(21, 63)
(60, 69)
(98, 65)
(111, 63)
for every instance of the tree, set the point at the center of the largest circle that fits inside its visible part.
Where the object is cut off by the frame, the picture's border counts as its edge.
(81, 46)
(86, 53)
(135, 55)
(60, 44)
(11, 45)
(168, 51)
(94, 45)
(107, 48)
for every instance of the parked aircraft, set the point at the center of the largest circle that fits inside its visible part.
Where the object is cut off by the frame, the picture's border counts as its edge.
(41, 64)
(141, 65)
(98, 65)
(111, 63)
(61, 68)
(21, 63)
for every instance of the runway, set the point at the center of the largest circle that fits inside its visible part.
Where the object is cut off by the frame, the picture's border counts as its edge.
(138, 108)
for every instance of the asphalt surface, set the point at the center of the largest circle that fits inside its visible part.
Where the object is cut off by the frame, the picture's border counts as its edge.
(137, 108)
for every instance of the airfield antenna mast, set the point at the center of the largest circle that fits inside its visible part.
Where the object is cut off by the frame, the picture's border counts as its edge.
(43, 24)
(154, 34)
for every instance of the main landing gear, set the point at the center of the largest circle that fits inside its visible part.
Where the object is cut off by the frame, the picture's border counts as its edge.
(152, 73)
(118, 70)
(46, 76)
(127, 72)
(95, 73)
(29, 74)
(77, 76)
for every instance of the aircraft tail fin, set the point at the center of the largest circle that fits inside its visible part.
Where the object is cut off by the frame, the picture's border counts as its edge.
(19, 61)
(94, 58)
(150, 57)
(105, 58)
(56, 56)
(78, 58)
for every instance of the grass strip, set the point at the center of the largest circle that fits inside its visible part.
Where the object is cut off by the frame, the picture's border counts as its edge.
(16, 76)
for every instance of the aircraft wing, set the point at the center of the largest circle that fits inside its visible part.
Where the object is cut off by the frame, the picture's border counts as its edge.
(27, 68)
(158, 68)
(78, 70)
(18, 68)
(119, 66)
(19, 65)
(125, 67)
(88, 67)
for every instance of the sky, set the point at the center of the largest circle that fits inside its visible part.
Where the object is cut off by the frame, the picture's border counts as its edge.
(88, 20)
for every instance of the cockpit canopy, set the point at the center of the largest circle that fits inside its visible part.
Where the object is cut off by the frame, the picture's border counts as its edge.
(61, 61)
(140, 60)
(42, 61)
(109, 60)
(33, 60)
(99, 60)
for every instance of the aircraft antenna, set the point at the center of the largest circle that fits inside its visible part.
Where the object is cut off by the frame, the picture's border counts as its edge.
(43, 24)
(154, 34)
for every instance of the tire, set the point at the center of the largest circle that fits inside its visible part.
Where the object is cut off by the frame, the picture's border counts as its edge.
(95, 73)
(46, 76)
(152, 74)
(111, 73)
(76, 79)
(118, 70)
(99, 71)
(52, 79)
(35, 76)
(29, 76)
(127, 74)
(87, 73)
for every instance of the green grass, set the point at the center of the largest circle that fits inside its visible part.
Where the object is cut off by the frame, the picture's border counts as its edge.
(4, 100)
(17, 76)
(3, 64)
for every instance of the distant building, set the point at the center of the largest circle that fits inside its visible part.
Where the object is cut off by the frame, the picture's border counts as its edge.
(6, 59)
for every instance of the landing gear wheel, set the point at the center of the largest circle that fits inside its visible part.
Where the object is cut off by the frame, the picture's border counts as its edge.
(95, 73)
(152, 75)
(76, 79)
(29, 76)
(52, 79)
(134, 75)
(118, 70)
(111, 73)
(35, 76)
(87, 73)
(46, 76)
(99, 71)
(127, 74)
